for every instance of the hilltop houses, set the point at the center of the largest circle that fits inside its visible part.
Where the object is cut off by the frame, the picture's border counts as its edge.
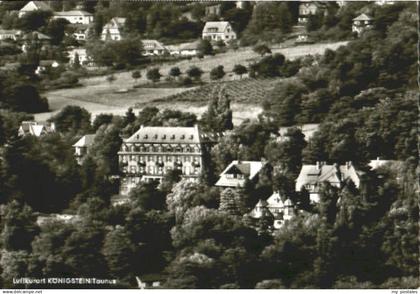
(312, 176)
(238, 172)
(152, 152)
(361, 23)
(34, 6)
(37, 129)
(113, 30)
(218, 30)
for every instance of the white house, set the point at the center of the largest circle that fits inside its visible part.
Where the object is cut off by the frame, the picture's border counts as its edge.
(81, 32)
(218, 30)
(153, 47)
(361, 23)
(307, 9)
(238, 172)
(81, 147)
(34, 6)
(113, 29)
(81, 54)
(36, 129)
(75, 16)
(282, 210)
(312, 176)
(10, 34)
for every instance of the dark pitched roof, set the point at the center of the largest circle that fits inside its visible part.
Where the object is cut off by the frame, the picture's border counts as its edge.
(171, 135)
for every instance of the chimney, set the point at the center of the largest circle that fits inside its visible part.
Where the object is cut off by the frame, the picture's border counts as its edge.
(348, 164)
(318, 165)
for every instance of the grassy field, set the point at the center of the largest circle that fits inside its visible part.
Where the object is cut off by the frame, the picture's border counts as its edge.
(97, 95)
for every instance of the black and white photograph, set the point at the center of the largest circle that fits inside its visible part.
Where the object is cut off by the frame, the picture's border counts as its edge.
(209, 145)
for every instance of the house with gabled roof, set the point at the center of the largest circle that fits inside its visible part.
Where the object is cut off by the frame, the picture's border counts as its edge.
(361, 23)
(282, 210)
(153, 47)
(379, 163)
(312, 176)
(185, 49)
(218, 30)
(308, 8)
(238, 172)
(82, 146)
(34, 6)
(37, 129)
(10, 34)
(113, 30)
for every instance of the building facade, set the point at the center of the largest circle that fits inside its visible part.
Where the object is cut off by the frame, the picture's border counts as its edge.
(218, 30)
(152, 152)
(81, 147)
(153, 47)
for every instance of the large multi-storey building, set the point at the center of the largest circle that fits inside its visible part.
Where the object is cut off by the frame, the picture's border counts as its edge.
(151, 152)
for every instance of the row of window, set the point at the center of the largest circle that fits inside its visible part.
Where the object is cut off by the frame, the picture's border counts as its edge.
(158, 158)
(152, 170)
(136, 148)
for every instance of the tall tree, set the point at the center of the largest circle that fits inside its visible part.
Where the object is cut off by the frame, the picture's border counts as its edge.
(218, 117)
(119, 252)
